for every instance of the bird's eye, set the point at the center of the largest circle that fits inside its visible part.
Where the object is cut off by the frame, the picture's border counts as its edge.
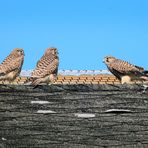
(108, 59)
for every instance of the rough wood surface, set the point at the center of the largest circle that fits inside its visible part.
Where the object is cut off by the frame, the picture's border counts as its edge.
(73, 116)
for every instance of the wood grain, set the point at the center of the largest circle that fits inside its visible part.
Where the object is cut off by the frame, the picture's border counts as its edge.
(76, 116)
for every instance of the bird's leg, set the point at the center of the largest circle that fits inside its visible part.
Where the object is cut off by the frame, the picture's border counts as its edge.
(126, 79)
(53, 78)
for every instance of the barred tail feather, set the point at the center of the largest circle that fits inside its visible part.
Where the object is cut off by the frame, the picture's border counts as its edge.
(145, 72)
(29, 81)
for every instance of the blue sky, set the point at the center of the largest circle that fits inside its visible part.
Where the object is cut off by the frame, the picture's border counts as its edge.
(84, 31)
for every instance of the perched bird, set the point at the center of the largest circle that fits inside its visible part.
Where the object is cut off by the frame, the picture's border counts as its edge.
(11, 67)
(46, 68)
(125, 71)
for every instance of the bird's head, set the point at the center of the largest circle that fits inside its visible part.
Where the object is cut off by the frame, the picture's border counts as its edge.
(109, 59)
(51, 50)
(18, 52)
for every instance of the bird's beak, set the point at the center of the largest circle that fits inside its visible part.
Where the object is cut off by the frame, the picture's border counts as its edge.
(23, 53)
(103, 61)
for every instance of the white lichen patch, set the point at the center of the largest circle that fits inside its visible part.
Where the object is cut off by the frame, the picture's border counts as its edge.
(40, 102)
(45, 112)
(4, 139)
(117, 110)
(85, 115)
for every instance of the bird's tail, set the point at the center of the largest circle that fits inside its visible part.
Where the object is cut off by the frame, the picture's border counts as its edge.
(29, 81)
(145, 72)
(32, 81)
(145, 75)
(36, 82)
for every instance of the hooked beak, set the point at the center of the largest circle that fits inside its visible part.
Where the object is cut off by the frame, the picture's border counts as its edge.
(23, 53)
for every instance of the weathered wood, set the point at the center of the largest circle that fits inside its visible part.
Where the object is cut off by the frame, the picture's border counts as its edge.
(77, 116)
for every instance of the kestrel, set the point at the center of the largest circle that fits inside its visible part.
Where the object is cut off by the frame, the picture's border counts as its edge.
(11, 67)
(46, 68)
(125, 71)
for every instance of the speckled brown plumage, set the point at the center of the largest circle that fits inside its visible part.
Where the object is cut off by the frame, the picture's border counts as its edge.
(122, 68)
(10, 68)
(46, 68)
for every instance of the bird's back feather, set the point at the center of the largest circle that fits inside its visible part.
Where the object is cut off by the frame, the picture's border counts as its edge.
(46, 65)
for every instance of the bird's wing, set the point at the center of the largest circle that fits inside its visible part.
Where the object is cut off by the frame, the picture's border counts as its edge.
(140, 68)
(124, 67)
(52, 67)
(11, 64)
(46, 65)
(115, 72)
(7, 60)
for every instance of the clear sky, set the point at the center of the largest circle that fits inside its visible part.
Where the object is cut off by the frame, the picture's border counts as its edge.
(84, 31)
